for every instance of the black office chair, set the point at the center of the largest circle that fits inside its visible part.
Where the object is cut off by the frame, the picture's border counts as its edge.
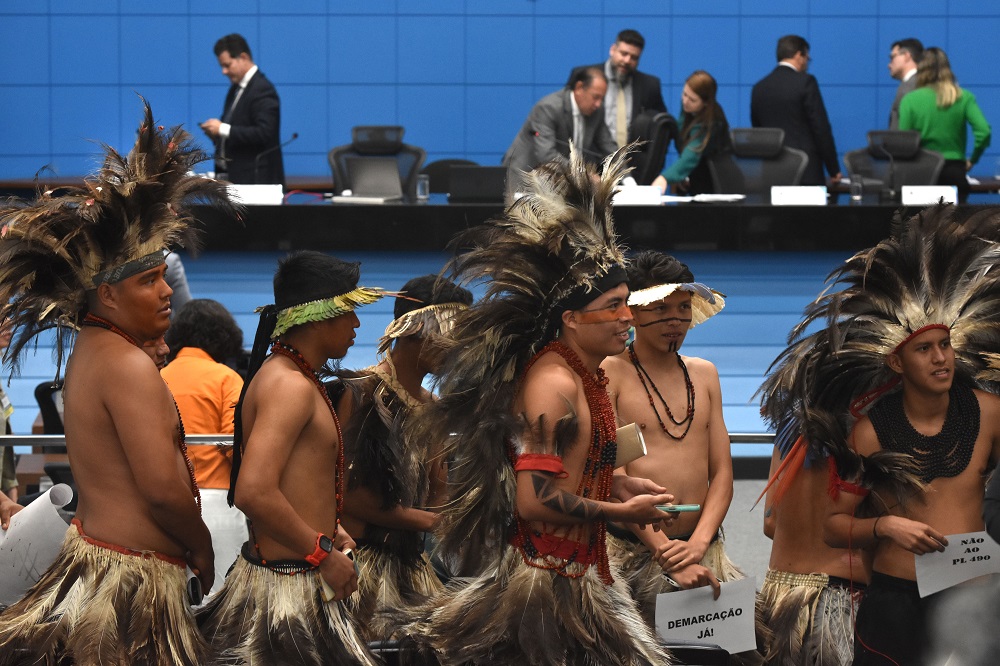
(759, 160)
(892, 159)
(439, 170)
(378, 141)
(657, 130)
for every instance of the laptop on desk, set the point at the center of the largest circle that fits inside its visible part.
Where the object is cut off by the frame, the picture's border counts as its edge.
(476, 184)
(373, 180)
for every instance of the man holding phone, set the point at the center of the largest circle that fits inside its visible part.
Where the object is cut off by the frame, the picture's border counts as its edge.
(677, 403)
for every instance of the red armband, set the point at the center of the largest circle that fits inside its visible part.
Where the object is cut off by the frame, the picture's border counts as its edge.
(837, 484)
(541, 462)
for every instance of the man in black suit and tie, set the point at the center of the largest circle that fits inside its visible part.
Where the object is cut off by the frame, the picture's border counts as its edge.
(630, 92)
(247, 143)
(789, 98)
(570, 114)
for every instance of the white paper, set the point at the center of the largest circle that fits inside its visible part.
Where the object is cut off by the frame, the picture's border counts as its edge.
(32, 542)
(693, 615)
(966, 556)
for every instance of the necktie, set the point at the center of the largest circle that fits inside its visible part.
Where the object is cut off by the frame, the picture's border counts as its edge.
(621, 122)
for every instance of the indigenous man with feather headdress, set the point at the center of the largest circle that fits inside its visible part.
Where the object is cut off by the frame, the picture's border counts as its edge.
(533, 445)
(899, 365)
(93, 259)
(396, 488)
(283, 599)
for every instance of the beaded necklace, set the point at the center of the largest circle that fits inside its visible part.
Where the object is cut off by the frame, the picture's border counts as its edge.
(688, 385)
(597, 473)
(100, 322)
(293, 354)
(945, 454)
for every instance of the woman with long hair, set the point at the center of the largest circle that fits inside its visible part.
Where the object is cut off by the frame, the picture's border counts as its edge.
(704, 132)
(940, 110)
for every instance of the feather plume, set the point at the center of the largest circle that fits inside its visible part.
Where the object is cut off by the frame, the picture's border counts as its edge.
(51, 249)
(558, 238)
(939, 270)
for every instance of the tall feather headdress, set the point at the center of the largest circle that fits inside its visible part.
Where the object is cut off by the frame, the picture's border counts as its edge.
(941, 271)
(553, 248)
(117, 223)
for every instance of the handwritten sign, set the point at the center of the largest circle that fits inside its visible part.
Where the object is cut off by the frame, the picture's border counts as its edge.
(966, 556)
(693, 615)
(32, 542)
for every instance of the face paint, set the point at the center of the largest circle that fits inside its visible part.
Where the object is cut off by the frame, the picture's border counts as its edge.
(668, 319)
(603, 315)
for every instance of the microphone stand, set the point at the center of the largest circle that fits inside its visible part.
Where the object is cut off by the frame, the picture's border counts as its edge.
(888, 192)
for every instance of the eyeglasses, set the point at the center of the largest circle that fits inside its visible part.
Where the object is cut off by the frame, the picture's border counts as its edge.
(893, 56)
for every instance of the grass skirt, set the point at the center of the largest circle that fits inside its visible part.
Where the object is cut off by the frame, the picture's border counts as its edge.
(96, 605)
(807, 620)
(263, 617)
(385, 583)
(530, 616)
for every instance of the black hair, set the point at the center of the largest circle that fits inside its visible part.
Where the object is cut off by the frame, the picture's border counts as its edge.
(308, 275)
(207, 325)
(911, 45)
(632, 37)
(789, 45)
(235, 44)
(429, 290)
(587, 76)
(650, 268)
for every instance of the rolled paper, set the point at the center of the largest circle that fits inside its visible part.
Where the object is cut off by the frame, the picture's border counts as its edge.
(631, 445)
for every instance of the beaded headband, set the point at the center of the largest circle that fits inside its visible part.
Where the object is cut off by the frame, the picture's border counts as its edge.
(130, 268)
(705, 302)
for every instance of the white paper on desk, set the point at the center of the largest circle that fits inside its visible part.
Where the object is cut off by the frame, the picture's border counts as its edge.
(32, 542)
(708, 197)
(670, 198)
(966, 556)
(693, 615)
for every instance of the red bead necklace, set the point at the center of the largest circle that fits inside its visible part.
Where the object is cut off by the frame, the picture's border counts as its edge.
(99, 322)
(688, 385)
(598, 471)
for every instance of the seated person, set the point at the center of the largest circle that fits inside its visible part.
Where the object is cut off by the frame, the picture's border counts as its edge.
(704, 133)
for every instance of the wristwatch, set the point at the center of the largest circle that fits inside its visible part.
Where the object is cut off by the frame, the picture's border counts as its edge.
(324, 545)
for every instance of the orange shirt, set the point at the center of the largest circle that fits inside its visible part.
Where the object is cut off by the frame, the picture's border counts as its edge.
(206, 393)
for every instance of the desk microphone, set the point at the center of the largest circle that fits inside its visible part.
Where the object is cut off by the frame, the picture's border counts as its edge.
(256, 160)
(888, 192)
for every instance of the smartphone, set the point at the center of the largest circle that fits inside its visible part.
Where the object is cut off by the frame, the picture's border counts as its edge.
(194, 592)
(678, 508)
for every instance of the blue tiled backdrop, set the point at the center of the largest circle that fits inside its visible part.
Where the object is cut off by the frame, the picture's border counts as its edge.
(460, 75)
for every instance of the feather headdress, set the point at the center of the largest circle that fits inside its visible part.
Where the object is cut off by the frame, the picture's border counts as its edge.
(552, 251)
(705, 302)
(940, 272)
(117, 223)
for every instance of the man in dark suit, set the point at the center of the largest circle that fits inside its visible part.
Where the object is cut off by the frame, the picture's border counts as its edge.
(570, 114)
(789, 98)
(640, 92)
(247, 137)
(903, 59)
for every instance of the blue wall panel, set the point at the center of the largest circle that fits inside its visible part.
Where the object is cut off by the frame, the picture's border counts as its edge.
(461, 75)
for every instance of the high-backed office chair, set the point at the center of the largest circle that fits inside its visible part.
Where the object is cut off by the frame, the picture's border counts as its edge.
(657, 130)
(378, 141)
(892, 159)
(439, 170)
(759, 159)
(47, 395)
